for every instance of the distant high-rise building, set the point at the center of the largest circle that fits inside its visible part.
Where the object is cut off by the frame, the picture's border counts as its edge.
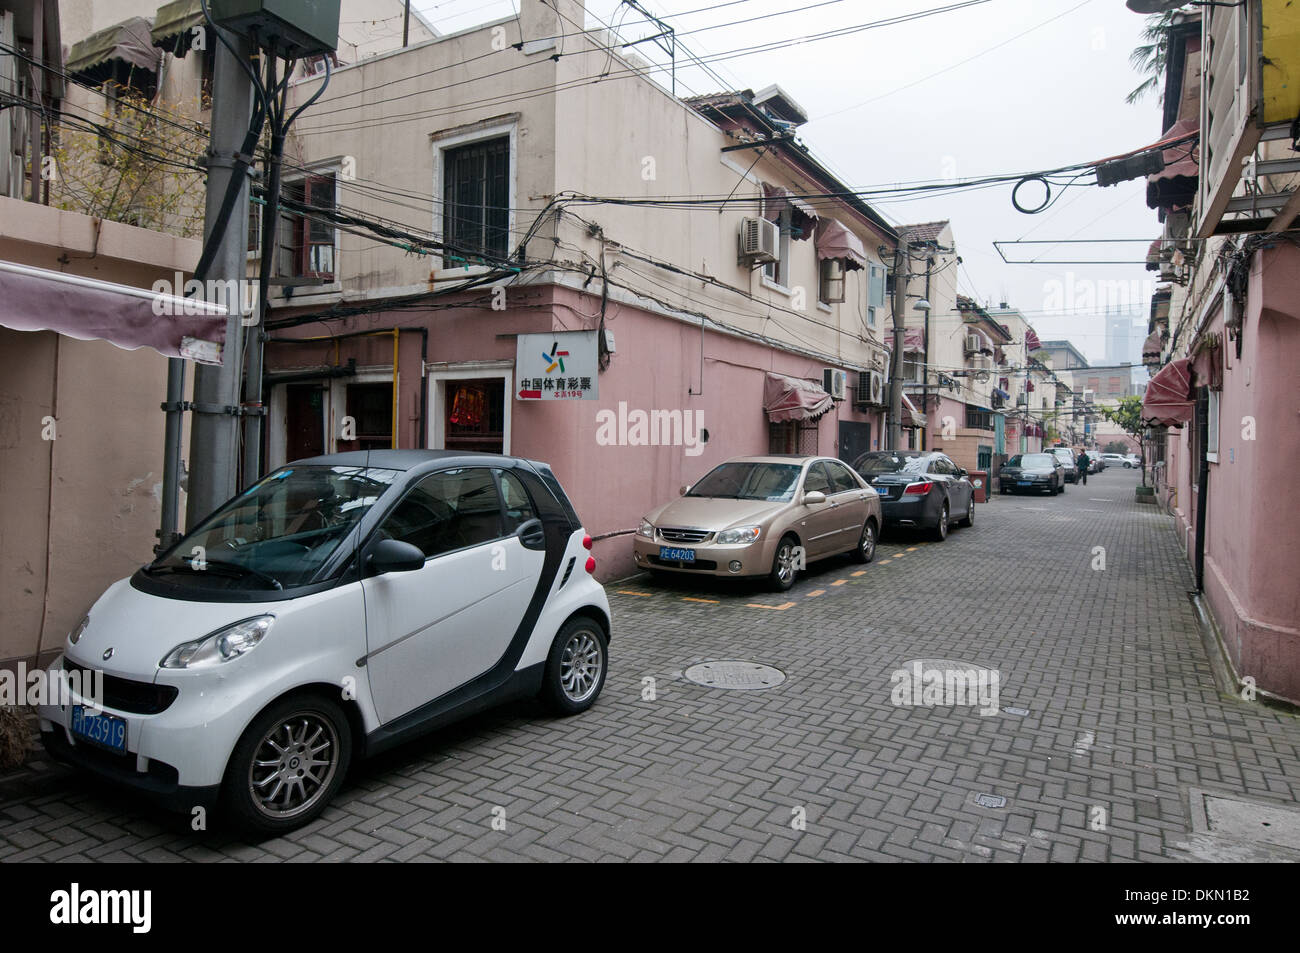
(1124, 335)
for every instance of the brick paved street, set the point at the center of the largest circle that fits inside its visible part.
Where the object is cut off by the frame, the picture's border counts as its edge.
(1123, 717)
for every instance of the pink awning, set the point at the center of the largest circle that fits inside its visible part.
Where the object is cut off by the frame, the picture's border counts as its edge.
(1175, 186)
(914, 339)
(836, 241)
(802, 217)
(36, 299)
(788, 398)
(1168, 400)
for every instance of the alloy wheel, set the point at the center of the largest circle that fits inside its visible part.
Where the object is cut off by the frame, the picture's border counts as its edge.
(581, 664)
(293, 765)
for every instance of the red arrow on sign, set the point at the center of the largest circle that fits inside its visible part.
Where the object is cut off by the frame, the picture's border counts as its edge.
(530, 394)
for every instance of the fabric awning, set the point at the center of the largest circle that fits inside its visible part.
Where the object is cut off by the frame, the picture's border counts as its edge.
(914, 339)
(1032, 343)
(1175, 186)
(128, 41)
(911, 416)
(174, 25)
(35, 299)
(802, 217)
(1168, 400)
(788, 398)
(836, 241)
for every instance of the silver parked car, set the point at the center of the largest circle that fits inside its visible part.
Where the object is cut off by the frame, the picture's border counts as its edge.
(762, 516)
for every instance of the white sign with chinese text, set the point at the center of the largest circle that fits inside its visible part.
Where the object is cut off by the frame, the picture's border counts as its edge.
(561, 365)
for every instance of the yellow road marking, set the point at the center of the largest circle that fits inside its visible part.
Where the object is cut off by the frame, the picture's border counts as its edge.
(816, 592)
(629, 592)
(860, 572)
(693, 599)
(839, 582)
(912, 549)
(759, 605)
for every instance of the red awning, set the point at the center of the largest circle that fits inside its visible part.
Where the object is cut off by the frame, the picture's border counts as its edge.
(1175, 186)
(914, 339)
(788, 398)
(35, 299)
(1168, 401)
(836, 241)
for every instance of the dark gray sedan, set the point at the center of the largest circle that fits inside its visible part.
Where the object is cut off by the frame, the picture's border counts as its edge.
(919, 489)
(1033, 473)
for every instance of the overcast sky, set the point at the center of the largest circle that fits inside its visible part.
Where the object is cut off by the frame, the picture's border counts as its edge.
(1000, 87)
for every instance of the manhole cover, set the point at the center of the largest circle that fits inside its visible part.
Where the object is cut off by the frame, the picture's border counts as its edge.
(731, 673)
(1018, 712)
(1238, 818)
(990, 800)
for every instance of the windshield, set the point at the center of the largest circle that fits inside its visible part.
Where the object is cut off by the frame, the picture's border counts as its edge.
(1030, 460)
(279, 532)
(1065, 455)
(775, 482)
(885, 462)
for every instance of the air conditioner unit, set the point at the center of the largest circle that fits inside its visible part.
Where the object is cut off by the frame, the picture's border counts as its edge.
(1022, 400)
(759, 241)
(973, 344)
(1089, 396)
(871, 389)
(835, 382)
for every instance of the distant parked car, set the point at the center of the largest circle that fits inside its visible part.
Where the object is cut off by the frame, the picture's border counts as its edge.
(1033, 473)
(1066, 456)
(919, 489)
(1095, 462)
(749, 516)
(1116, 460)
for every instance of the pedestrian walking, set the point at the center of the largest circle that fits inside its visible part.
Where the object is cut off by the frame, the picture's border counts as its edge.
(1083, 463)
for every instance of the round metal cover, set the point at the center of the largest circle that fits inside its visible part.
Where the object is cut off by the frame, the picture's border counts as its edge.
(735, 674)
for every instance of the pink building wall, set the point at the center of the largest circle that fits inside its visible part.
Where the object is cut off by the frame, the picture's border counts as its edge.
(657, 367)
(1252, 558)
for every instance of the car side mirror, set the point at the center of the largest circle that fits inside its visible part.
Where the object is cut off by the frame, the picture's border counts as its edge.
(814, 497)
(394, 555)
(963, 473)
(683, 489)
(531, 534)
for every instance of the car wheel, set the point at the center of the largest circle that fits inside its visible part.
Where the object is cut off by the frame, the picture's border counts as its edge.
(866, 550)
(969, 518)
(783, 571)
(940, 532)
(288, 764)
(575, 667)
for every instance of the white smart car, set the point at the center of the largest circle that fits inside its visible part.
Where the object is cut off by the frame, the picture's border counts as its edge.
(338, 607)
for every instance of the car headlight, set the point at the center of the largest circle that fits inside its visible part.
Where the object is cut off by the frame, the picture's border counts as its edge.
(220, 646)
(740, 534)
(646, 529)
(75, 635)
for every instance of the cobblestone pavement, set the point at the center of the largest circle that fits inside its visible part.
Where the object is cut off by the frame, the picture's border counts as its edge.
(1120, 718)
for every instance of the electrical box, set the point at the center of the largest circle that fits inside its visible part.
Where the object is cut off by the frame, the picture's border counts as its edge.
(297, 27)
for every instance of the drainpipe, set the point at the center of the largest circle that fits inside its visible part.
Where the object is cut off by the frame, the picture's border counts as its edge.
(925, 371)
(1202, 491)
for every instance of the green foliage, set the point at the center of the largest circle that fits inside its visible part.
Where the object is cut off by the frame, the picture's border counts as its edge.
(1127, 414)
(1115, 446)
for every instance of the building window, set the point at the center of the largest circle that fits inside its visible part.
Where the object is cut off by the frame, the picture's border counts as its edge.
(307, 239)
(978, 419)
(913, 367)
(476, 199)
(371, 408)
(831, 289)
(778, 271)
(792, 436)
(475, 415)
(1212, 427)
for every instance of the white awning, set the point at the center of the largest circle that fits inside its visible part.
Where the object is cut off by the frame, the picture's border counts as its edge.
(917, 417)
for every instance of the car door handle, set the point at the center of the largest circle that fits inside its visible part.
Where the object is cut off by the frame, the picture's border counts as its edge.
(531, 534)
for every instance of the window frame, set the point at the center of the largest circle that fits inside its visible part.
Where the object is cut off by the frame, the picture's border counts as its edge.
(501, 513)
(455, 138)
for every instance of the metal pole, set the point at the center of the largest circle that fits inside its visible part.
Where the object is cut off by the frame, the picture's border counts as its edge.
(169, 526)
(902, 274)
(214, 435)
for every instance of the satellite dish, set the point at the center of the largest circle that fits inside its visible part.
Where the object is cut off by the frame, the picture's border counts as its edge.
(1155, 6)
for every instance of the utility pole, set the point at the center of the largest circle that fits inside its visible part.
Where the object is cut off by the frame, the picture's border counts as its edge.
(902, 276)
(214, 434)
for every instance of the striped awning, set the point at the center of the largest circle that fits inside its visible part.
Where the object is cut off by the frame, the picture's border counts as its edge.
(789, 398)
(1168, 401)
